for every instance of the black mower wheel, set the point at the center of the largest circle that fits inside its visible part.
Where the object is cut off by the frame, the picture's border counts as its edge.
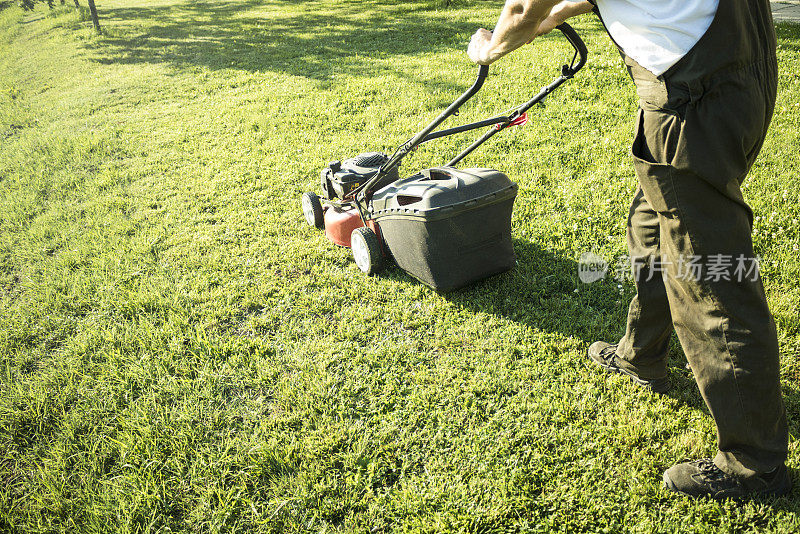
(366, 250)
(312, 210)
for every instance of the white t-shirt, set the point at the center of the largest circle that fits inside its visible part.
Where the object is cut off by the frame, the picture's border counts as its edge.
(657, 33)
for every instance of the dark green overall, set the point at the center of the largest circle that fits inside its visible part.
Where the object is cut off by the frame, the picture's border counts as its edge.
(700, 126)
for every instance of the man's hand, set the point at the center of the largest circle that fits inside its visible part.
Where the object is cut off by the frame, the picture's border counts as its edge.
(520, 22)
(517, 25)
(479, 47)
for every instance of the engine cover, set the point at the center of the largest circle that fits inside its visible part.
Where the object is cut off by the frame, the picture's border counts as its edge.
(340, 177)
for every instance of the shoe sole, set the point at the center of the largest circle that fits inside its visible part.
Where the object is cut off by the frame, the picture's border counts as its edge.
(779, 492)
(660, 385)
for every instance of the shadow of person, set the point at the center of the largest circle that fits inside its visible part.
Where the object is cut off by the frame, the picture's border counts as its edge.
(545, 292)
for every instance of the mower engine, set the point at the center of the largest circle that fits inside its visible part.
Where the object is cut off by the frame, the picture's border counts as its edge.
(340, 177)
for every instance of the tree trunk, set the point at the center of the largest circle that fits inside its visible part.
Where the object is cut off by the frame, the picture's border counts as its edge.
(95, 18)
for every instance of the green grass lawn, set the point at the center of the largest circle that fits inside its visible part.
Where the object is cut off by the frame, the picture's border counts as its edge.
(181, 352)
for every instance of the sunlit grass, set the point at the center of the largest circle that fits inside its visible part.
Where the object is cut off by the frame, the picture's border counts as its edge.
(181, 351)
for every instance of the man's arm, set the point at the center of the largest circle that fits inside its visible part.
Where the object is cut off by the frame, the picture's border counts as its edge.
(520, 22)
(560, 13)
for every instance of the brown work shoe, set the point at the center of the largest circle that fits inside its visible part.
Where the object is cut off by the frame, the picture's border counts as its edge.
(702, 478)
(605, 355)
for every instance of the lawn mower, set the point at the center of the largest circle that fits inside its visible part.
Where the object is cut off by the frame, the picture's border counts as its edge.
(445, 226)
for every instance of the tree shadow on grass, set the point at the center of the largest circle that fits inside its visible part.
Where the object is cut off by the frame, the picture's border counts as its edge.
(314, 44)
(264, 36)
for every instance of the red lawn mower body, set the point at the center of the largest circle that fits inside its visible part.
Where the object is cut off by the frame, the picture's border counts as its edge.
(340, 223)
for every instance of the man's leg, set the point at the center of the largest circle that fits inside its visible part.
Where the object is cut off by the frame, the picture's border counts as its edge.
(722, 321)
(641, 354)
(644, 346)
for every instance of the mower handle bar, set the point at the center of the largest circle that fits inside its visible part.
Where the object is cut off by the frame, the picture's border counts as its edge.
(579, 46)
(567, 72)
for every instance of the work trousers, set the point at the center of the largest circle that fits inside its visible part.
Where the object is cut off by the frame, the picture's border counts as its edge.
(699, 129)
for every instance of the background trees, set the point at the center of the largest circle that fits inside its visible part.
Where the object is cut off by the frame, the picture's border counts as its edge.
(30, 4)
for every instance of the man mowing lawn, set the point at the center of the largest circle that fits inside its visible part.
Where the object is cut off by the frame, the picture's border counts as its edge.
(706, 76)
